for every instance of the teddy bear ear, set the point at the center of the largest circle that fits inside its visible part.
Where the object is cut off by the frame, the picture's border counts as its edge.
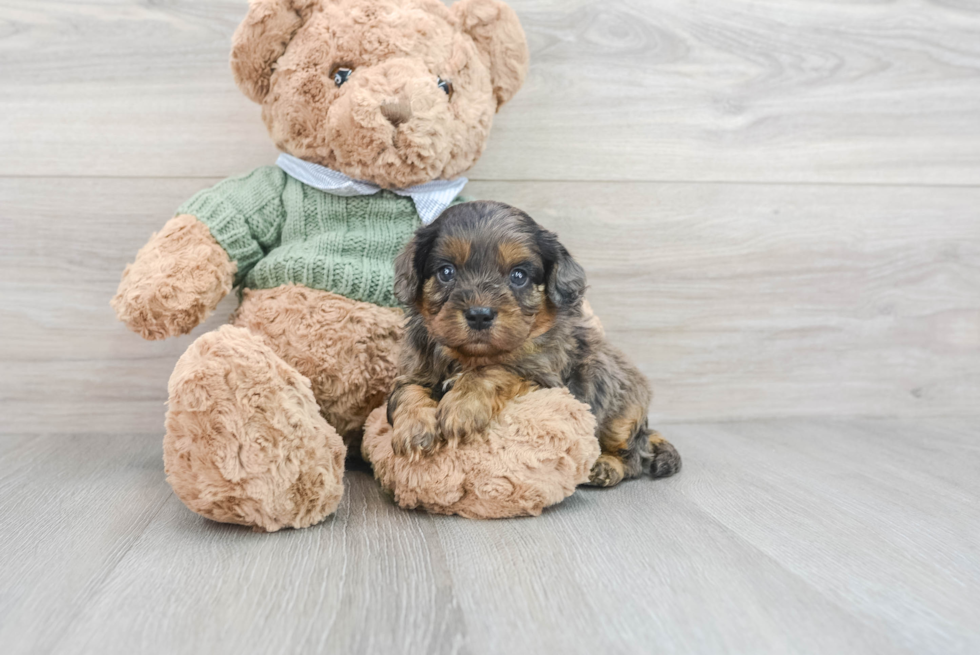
(261, 40)
(498, 35)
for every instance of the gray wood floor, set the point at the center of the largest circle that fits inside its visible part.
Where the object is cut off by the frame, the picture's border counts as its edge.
(789, 536)
(778, 205)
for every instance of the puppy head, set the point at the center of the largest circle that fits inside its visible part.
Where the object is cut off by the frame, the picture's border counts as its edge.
(486, 278)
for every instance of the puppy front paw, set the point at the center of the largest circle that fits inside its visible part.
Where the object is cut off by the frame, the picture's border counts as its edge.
(415, 431)
(463, 421)
(608, 471)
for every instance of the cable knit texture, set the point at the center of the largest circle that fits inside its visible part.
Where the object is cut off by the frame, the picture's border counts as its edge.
(281, 231)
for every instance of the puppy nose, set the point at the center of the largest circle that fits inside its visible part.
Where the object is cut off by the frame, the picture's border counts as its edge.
(397, 112)
(480, 318)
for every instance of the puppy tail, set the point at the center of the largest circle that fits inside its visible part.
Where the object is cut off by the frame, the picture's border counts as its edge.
(660, 458)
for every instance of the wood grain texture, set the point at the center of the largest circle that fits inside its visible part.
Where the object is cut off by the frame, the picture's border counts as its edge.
(737, 301)
(803, 536)
(746, 90)
(71, 508)
(873, 482)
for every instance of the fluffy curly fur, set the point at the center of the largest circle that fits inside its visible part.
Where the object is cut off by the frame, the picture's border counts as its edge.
(347, 349)
(177, 280)
(286, 52)
(533, 455)
(245, 441)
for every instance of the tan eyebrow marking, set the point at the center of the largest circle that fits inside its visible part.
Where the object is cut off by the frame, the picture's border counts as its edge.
(512, 253)
(458, 250)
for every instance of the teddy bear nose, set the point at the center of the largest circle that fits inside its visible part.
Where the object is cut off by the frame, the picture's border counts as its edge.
(396, 112)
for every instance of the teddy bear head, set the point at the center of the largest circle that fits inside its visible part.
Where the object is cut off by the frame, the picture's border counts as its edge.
(395, 92)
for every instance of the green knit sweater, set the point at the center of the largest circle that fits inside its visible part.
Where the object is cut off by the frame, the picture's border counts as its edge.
(279, 230)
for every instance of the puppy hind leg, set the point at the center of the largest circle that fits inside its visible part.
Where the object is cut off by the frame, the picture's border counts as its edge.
(660, 458)
(630, 448)
(622, 456)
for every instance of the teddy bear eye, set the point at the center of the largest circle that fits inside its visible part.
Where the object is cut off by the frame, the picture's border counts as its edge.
(340, 75)
(446, 273)
(519, 277)
(446, 86)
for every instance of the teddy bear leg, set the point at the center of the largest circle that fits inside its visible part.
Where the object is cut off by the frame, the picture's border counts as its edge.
(348, 349)
(245, 440)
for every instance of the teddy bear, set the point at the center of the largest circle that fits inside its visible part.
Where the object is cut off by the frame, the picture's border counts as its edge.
(378, 107)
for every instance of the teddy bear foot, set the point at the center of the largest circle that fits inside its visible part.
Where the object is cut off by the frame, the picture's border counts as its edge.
(533, 455)
(245, 440)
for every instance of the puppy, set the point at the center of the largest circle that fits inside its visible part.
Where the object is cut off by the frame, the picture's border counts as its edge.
(495, 310)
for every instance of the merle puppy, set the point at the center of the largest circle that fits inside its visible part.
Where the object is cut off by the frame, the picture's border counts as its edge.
(495, 310)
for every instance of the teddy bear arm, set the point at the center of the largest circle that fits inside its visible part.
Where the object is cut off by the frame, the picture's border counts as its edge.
(178, 278)
(244, 214)
(185, 269)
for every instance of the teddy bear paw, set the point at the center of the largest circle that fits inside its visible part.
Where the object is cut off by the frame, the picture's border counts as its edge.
(178, 278)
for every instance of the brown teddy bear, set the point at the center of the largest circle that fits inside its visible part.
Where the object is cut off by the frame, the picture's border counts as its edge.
(378, 107)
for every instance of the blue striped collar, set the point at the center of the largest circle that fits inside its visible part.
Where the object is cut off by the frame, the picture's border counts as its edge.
(430, 199)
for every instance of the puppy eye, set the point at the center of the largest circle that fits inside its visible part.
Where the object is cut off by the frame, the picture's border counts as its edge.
(446, 273)
(445, 86)
(519, 277)
(340, 75)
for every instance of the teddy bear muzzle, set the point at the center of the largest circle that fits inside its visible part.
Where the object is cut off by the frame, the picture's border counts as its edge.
(391, 123)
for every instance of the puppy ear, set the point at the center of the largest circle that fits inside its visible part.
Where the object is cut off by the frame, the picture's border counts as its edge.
(406, 280)
(410, 265)
(499, 37)
(564, 278)
(261, 40)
